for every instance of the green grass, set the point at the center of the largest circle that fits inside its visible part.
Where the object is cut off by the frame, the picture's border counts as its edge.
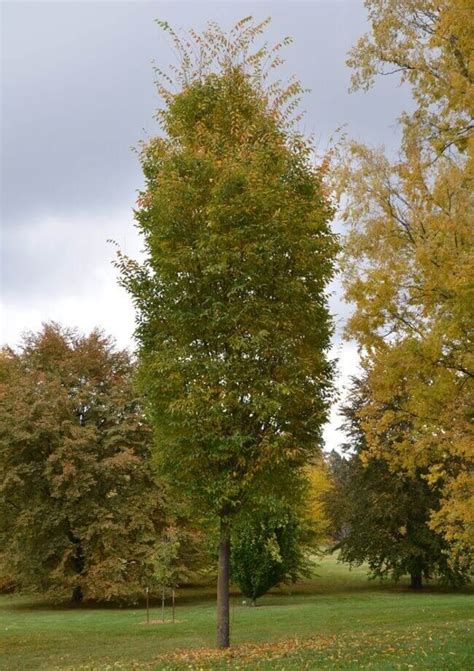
(338, 620)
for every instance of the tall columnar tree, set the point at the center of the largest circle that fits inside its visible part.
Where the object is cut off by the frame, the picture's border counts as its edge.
(381, 516)
(79, 509)
(409, 253)
(233, 325)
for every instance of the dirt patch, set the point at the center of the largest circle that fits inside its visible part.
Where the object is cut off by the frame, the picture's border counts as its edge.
(162, 622)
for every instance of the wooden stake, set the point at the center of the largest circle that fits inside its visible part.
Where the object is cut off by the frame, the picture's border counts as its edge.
(173, 602)
(163, 604)
(147, 607)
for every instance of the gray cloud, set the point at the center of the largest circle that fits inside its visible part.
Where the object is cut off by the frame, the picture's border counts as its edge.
(77, 91)
(62, 255)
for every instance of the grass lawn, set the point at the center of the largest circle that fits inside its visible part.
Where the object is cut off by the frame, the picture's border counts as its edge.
(338, 620)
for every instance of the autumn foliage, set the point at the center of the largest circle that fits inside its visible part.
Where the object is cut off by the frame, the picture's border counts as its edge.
(408, 257)
(80, 512)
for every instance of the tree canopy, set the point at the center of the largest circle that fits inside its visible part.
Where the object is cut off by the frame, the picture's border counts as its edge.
(80, 512)
(429, 45)
(382, 516)
(268, 548)
(408, 255)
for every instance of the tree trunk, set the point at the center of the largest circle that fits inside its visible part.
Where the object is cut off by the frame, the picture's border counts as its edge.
(77, 595)
(223, 630)
(416, 581)
(78, 563)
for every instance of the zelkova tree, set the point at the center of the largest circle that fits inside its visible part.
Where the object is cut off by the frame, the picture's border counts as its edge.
(233, 325)
(409, 254)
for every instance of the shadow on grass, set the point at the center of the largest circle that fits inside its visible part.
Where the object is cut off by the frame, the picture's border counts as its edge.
(205, 595)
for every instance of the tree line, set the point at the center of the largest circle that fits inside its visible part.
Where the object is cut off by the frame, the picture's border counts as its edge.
(120, 474)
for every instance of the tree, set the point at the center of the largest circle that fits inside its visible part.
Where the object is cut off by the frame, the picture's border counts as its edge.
(233, 326)
(183, 554)
(267, 549)
(79, 508)
(429, 44)
(381, 516)
(409, 255)
(319, 484)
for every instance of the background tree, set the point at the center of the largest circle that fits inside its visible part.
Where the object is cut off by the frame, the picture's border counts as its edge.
(233, 326)
(79, 508)
(320, 479)
(184, 554)
(268, 548)
(409, 255)
(382, 517)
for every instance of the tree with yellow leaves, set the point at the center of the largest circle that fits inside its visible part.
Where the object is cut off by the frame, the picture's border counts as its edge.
(429, 44)
(409, 254)
(319, 485)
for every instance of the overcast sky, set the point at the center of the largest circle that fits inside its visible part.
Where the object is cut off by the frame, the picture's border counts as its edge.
(78, 94)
